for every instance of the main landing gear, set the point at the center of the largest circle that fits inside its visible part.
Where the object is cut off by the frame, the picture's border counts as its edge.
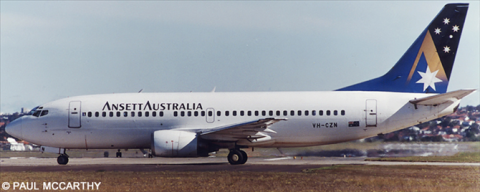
(237, 157)
(145, 153)
(119, 154)
(63, 158)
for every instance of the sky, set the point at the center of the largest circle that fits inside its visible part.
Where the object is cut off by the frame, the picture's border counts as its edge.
(56, 49)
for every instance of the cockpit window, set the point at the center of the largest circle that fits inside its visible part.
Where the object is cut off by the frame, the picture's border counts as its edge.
(37, 113)
(33, 110)
(44, 112)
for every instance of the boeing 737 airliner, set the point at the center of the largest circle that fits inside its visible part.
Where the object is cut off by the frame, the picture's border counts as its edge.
(195, 124)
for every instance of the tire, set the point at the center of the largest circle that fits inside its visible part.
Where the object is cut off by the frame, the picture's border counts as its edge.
(245, 157)
(62, 159)
(235, 157)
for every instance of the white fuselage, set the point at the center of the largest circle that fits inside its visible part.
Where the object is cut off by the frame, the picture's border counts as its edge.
(312, 118)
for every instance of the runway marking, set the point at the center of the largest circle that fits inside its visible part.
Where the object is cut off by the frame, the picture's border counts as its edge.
(280, 158)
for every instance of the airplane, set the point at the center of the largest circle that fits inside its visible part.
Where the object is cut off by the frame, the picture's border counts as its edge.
(196, 124)
(15, 146)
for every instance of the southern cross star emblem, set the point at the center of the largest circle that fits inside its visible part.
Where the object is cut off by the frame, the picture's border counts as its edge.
(455, 28)
(438, 31)
(446, 49)
(428, 79)
(446, 21)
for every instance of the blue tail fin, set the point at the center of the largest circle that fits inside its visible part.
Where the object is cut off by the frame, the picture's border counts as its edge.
(428, 63)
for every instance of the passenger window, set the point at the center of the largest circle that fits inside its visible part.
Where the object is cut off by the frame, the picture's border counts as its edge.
(314, 112)
(328, 112)
(97, 114)
(249, 113)
(154, 114)
(320, 112)
(335, 112)
(160, 114)
(89, 114)
(292, 113)
(132, 114)
(210, 113)
(110, 114)
(175, 113)
(118, 113)
(125, 114)
(147, 113)
(299, 113)
(195, 113)
(219, 113)
(227, 113)
(278, 113)
(306, 113)
(234, 113)
(264, 113)
(242, 113)
(203, 113)
(285, 113)
(342, 112)
(104, 114)
(189, 113)
(270, 113)
(139, 113)
(182, 113)
(256, 113)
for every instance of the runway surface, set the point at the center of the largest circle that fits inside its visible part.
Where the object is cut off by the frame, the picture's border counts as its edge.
(280, 164)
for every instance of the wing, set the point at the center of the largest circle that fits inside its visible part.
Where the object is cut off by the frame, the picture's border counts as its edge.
(251, 130)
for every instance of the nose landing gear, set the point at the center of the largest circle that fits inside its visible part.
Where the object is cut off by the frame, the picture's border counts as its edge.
(237, 157)
(63, 158)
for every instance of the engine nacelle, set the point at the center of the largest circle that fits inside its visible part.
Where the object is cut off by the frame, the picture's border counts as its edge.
(171, 143)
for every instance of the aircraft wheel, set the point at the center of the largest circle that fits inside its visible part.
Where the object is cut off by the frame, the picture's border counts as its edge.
(62, 159)
(236, 157)
(245, 157)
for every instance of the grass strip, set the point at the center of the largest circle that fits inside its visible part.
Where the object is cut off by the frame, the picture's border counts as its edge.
(336, 178)
(463, 157)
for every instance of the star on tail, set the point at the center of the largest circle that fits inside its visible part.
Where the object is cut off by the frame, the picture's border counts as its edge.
(428, 79)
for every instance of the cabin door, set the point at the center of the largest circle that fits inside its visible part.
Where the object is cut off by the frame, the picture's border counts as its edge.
(74, 114)
(371, 113)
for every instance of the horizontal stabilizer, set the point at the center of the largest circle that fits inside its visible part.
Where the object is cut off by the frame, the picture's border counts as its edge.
(443, 98)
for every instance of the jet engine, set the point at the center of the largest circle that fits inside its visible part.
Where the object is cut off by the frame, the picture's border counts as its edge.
(172, 143)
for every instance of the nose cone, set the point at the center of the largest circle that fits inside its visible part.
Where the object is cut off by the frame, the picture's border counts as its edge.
(15, 128)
